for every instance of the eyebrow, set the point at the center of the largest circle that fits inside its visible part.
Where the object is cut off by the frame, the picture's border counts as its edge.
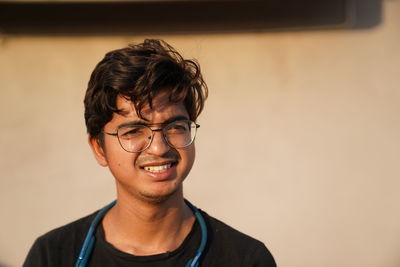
(143, 122)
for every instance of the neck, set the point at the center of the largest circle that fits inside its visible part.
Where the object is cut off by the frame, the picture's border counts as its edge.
(143, 228)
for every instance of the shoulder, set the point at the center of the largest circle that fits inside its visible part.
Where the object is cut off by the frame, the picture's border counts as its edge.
(59, 245)
(69, 232)
(222, 230)
(234, 246)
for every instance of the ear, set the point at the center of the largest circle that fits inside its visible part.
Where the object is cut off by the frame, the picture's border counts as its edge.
(98, 151)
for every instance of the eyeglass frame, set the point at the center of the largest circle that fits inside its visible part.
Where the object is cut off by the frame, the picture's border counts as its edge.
(162, 125)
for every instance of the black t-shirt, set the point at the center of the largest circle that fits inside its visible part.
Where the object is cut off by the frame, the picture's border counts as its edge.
(225, 247)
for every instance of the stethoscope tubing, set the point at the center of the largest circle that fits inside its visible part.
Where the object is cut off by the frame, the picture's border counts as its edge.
(88, 243)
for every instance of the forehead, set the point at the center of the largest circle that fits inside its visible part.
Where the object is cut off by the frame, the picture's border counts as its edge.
(162, 108)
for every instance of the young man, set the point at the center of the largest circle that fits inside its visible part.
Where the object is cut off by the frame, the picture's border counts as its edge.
(141, 107)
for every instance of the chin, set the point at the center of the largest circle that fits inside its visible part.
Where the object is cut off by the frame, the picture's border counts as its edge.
(159, 197)
(155, 198)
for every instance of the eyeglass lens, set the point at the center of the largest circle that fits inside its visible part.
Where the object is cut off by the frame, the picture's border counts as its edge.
(136, 138)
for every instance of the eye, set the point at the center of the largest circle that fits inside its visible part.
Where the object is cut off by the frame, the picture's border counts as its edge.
(132, 132)
(178, 127)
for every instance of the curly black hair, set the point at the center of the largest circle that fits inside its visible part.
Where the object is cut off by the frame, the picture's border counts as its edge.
(138, 72)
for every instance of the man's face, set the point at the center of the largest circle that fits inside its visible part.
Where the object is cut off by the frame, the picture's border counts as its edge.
(156, 173)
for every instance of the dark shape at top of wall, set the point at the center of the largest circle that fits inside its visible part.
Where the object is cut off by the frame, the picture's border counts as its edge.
(195, 16)
(367, 13)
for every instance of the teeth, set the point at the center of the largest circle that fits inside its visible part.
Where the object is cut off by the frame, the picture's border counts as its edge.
(158, 168)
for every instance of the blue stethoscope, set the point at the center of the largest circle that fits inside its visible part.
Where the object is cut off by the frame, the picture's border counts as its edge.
(88, 244)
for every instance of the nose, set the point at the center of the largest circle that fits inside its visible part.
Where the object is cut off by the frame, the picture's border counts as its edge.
(158, 145)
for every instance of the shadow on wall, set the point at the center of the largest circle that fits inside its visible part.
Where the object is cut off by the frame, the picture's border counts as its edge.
(367, 13)
(195, 16)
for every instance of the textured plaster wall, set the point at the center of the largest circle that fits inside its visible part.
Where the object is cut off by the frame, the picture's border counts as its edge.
(298, 146)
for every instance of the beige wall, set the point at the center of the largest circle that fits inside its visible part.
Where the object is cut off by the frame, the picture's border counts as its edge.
(299, 144)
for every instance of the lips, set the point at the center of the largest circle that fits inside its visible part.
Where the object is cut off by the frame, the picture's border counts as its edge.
(159, 168)
(163, 171)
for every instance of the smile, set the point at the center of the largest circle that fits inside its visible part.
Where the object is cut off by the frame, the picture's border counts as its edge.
(160, 168)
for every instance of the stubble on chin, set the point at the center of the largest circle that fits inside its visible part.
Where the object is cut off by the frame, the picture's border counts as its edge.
(157, 199)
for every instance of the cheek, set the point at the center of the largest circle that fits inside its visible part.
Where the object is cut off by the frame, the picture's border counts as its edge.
(122, 167)
(118, 158)
(192, 154)
(188, 157)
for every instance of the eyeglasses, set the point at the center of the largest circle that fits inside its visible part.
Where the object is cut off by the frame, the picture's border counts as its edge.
(137, 138)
